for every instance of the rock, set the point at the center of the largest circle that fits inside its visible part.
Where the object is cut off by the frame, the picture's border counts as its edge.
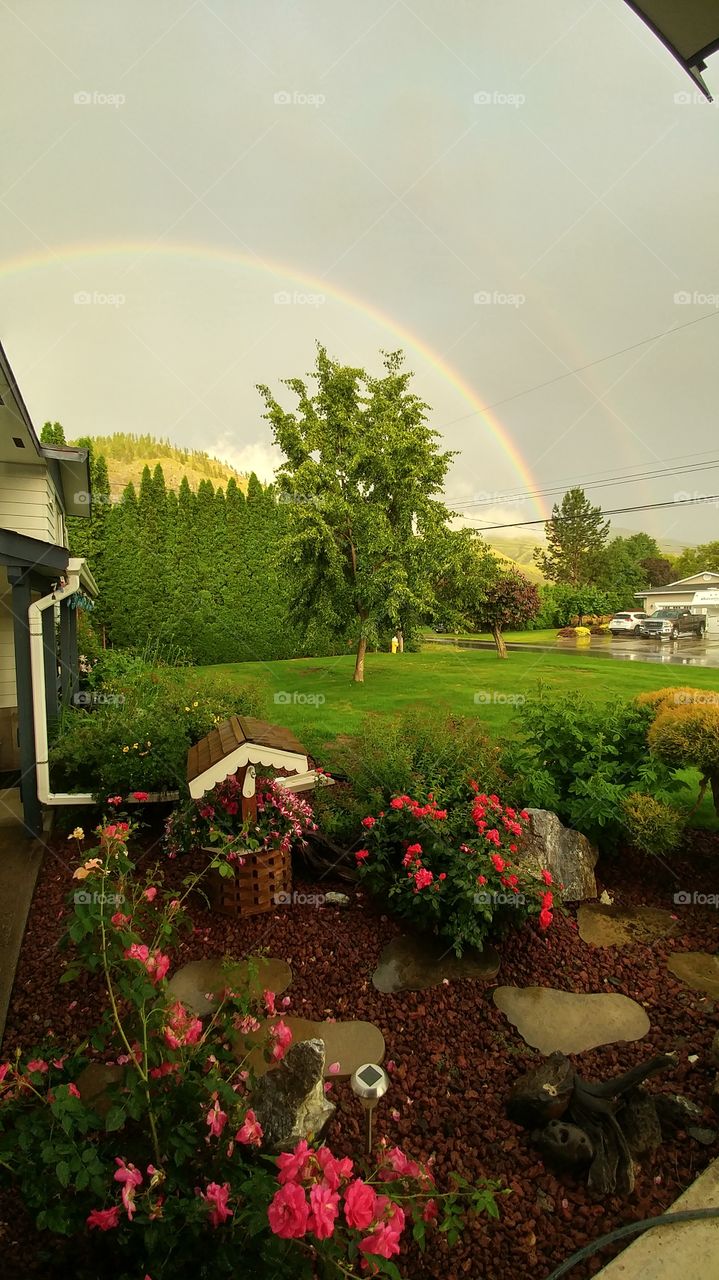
(547, 845)
(201, 978)
(290, 1101)
(697, 969)
(333, 899)
(96, 1082)
(714, 1050)
(551, 1020)
(605, 898)
(564, 1145)
(347, 1045)
(612, 926)
(639, 1123)
(542, 1094)
(416, 963)
(707, 1137)
(675, 1111)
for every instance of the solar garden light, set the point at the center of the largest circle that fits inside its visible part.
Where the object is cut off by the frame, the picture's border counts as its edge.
(369, 1083)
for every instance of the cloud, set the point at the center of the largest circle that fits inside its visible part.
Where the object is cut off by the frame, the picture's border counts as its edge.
(257, 456)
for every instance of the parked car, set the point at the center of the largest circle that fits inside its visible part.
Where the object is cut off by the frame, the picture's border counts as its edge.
(667, 624)
(623, 624)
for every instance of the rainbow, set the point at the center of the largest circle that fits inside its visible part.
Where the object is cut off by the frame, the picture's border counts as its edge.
(66, 254)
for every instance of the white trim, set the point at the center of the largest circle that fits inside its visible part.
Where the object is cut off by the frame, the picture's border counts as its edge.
(247, 753)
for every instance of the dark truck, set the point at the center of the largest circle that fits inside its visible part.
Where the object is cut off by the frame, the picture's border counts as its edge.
(667, 624)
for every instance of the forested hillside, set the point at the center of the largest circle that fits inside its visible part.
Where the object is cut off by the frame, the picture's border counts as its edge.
(127, 454)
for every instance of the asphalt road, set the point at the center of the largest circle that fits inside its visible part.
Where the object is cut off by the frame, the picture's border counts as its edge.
(688, 652)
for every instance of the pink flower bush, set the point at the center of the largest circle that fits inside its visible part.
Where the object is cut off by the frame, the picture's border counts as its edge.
(156, 965)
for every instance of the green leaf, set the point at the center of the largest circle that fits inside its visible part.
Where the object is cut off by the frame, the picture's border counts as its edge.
(115, 1119)
(62, 1173)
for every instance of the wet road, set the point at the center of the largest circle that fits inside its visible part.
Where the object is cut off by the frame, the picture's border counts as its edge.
(682, 653)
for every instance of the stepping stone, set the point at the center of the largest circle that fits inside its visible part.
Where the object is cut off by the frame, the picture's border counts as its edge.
(414, 964)
(550, 1020)
(612, 926)
(95, 1080)
(697, 969)
(200, 978)
(349, 1043)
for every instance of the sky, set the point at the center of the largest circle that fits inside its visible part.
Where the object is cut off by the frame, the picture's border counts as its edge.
(194, 194)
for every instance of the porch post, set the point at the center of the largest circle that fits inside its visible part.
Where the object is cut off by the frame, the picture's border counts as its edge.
(21, 599)
(49, 647)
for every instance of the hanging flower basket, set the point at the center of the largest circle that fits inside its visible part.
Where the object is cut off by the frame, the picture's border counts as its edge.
(262, 883)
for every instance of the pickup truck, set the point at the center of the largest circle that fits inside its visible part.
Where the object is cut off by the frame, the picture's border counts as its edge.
(667, 624)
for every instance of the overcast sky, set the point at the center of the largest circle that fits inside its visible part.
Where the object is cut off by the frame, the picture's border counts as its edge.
(193, 193)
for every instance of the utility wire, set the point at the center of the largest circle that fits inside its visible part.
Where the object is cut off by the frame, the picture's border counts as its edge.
(661, 473)
(647, 506)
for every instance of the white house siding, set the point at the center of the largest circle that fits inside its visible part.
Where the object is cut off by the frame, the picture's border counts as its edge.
(28, 501)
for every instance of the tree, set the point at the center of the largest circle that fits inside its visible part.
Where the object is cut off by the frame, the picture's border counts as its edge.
(695, 559)
(659, 570)
(619, 566)
(52, 433)
(360, 475)
(510, 601)
(575, 535)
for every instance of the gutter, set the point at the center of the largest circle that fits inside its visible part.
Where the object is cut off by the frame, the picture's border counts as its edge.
(78, 575)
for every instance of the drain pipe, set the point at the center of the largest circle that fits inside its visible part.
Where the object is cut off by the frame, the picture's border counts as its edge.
(76, 570)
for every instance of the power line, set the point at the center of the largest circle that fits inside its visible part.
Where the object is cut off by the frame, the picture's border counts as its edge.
(662, 473)
(647, 506)
(580, 369)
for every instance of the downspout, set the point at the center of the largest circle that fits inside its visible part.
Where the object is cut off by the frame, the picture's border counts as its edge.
(76, 568)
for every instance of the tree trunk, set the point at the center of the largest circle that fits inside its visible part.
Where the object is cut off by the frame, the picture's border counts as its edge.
(499, 641)
(359, 664)
(400, 637)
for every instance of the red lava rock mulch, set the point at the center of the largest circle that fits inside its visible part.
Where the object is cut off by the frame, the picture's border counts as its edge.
(456, 1055)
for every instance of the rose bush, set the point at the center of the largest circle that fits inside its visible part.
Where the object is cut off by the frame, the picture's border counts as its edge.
(451, 870)
(161, 1159)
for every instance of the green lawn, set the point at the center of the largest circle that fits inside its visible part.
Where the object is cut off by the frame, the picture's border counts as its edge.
(547, 636)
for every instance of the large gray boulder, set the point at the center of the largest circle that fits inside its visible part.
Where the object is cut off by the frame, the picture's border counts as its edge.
(289, 1101)
(569, 856)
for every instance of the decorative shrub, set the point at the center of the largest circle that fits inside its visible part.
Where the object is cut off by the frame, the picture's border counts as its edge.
(137, 728)
(282, 819)
(582, 759)
(161, 1175)
(686, 734)
(451, 871)
(652, 825)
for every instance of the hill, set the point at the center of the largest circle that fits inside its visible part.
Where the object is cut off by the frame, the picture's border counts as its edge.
(128, 454)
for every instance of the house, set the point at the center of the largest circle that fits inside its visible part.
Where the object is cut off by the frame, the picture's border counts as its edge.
(41, 586)
(699, 592)
(689, 30)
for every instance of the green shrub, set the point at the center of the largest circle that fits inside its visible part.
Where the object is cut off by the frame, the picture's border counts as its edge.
(581, 759)
(685, 734)
(652, 825)
(136, 731)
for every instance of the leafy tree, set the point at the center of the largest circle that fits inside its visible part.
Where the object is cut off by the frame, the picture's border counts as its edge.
(360, 477)
(576, 534)
(510, 601)
(52, 433)
(695, 559)
(659, 570)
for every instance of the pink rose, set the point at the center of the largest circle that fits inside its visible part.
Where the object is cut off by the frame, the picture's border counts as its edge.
(130, 1177)
(105, 1219)
(288, 1212)
(324, 1205)
(292, 1165)
(333, 1170)
(360, 1203)
(216, 1197)
(251, 1131)
(151, 893)
(216, 1119)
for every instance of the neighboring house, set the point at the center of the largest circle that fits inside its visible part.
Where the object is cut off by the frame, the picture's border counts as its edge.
(40, 584)
(695, 592)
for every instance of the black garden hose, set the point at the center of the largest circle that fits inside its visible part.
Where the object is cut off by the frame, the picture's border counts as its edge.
(631, 1228)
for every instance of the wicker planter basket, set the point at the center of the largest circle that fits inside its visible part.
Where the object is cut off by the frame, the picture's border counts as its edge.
(255, 886)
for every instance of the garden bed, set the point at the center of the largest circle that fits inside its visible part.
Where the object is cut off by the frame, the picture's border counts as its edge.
(456, 1055)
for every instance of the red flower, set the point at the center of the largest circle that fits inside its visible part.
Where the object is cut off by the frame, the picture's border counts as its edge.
(140, 796)
(547, 877)
(105, 1219)
(397, 803)
(369, 821)
(361, 854)
(545, 918)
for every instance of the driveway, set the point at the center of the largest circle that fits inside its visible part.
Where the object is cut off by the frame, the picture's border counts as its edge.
(688, 652)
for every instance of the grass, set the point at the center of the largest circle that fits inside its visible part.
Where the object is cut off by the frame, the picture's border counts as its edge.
(547, 636)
